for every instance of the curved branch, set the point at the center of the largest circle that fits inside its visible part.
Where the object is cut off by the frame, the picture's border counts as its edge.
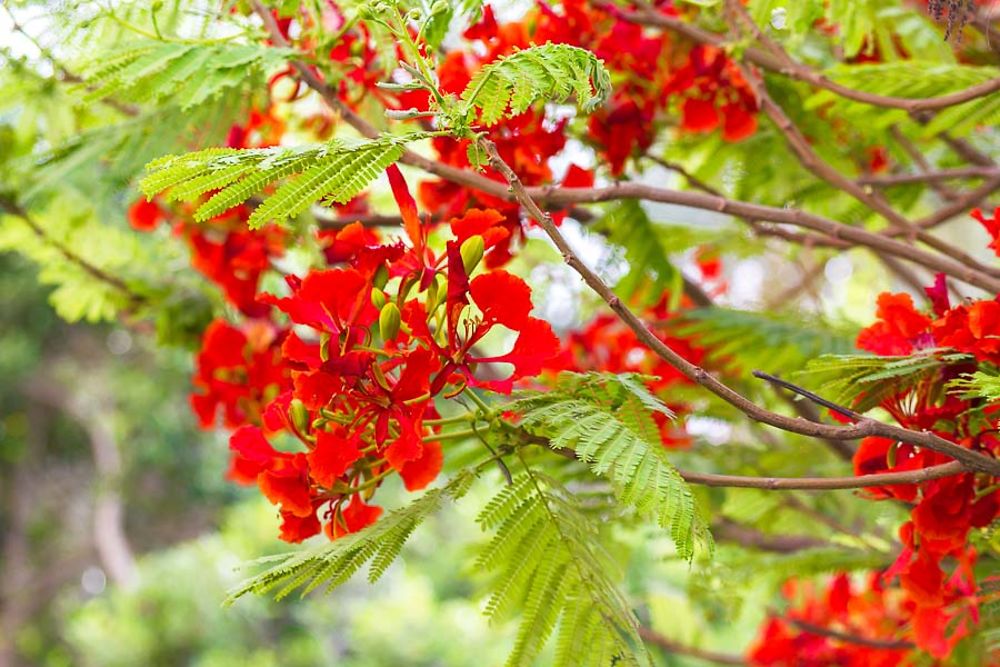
(13, 208)
(886, 644)
(653, 637)
(825, 483)
(795, 70)
(930, 176)
(972, 460)
(550, 195)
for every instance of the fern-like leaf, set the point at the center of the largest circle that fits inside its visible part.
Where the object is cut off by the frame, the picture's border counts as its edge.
(607, 421)
(554, 72)
(864, 381)
(548, 564)
(187, 74)
(334, 563)
(335, 171)
(742, 340)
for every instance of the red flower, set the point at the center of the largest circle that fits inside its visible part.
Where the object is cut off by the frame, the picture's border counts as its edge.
(238, 370)
(145, 216)
(333, 455)
(972, 328)
(900, 328)
(992, 226)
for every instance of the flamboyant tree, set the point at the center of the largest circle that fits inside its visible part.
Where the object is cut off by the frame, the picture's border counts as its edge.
(214, 172)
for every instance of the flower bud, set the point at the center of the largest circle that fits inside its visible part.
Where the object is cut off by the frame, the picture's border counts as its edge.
(324, 347)
(389, 320)
(381, 277)
(299, 415)
(433, 294)
(472, 252)
(378, 298)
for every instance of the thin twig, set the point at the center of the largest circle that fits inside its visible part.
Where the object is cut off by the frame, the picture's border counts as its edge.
(818, 400)
(670, 646)
(13, 208)
(886, 644)
(795, 70)
(865, 427)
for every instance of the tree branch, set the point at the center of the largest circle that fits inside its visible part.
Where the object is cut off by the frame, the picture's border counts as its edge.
(891, 180)
(13, 208)
(971, 459)
(788, 67)
(886, 644)
(650, 636)
(728, 530)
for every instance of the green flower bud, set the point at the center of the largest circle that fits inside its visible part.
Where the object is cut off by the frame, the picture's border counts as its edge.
(389, 320)
(299, 415)
(381, 277)
(472, 252)
(378, 298)
(324, 347)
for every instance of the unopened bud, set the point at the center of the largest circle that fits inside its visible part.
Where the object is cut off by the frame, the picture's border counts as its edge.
(892, 454)
(472, 252)
(433, 294)
(324, 347)
(389, 320)
(381, 277)
(378, 298)
(299, 415)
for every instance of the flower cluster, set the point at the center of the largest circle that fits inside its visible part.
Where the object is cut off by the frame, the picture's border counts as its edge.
(945, 510)
(843, 625)
(373, 341)
(933, 576)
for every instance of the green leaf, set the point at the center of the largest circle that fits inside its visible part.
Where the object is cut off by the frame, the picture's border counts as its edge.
(334, 563)
(554, 72)
(335, 171)
(548, 563)
(864, 381)
(187, 74)
(744, 340)
(607, 421)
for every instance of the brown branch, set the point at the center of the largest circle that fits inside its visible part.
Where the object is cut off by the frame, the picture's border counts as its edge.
(551, 195)
(740, 209)
(727, 530)
(967, 151)
(886, 644)
(961, 205)
(670, 646)
(809, 159)
(972, 460)
(15, 209)
(891, 180)
(824, 483)
(788, 67)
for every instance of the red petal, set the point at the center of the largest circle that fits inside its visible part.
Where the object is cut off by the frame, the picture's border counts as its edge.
(288, 486)
(252, 454)
(420, 472)
(407, 206)
(297, 528)
(407, 447)
(331, 458)
(503, 297)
